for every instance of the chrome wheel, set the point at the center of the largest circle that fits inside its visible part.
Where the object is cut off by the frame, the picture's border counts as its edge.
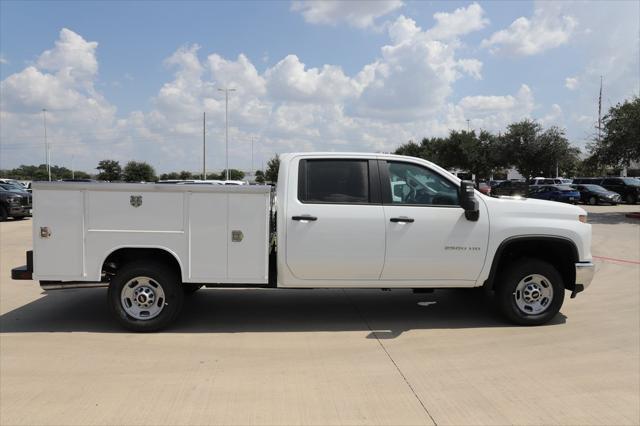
(142, 298)
(533, 294)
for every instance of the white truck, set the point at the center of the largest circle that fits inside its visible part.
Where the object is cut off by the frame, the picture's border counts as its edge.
(336, 220)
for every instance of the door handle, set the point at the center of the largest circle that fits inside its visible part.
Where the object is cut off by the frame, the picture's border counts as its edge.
(402, 219)
(305, 217)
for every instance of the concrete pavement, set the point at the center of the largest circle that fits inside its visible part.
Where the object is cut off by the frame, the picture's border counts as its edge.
(325, 357)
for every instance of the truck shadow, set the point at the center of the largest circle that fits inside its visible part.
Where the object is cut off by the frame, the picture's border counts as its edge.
(384, 315)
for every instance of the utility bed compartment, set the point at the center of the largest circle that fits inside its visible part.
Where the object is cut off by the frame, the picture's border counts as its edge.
(218, 234)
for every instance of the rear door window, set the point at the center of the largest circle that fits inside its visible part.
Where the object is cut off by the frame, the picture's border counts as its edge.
(334, 181)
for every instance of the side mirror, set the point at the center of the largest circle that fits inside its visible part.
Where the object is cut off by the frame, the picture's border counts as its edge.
(468, 201)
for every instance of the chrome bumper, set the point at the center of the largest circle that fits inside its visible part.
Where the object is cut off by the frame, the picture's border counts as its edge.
(584, 275)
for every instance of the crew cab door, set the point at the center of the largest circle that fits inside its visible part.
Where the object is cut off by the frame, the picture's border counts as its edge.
(428, 236)
(335, 227)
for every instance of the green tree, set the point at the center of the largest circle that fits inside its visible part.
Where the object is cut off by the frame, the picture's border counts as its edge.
(109, 170)
(81, 175)
(136, 171)
(259, 177)
(170, 176)
(620, 144)
(234, 174)
(186, 175)
(273, 166)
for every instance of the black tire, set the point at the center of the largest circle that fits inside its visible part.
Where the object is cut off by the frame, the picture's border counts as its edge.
(3, 213)
(164, 276)
(593, 200)
(190, 288)
(508, 283)
(631, 199)
(19, 217)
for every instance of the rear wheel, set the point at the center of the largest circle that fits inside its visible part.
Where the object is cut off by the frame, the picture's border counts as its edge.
(631, 199)
(145, 296)
(530, 292)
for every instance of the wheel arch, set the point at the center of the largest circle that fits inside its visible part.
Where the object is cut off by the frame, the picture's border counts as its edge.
(124, 254)
(559, 251)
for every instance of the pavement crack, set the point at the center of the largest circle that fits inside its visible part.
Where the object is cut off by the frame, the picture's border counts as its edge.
(413, 391)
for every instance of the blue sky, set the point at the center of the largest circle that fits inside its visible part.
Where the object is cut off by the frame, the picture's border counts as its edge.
(374, 75)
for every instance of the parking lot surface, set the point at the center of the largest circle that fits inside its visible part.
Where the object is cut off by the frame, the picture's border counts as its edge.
(326, 357)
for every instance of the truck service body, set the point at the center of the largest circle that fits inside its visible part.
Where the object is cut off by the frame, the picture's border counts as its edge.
(336, 220)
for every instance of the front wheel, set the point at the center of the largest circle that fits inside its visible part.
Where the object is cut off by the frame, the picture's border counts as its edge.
(593, 201)
(145, 296)
(631, 199)
(530, 292)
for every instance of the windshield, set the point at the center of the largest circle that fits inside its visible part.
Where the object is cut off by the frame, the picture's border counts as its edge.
(631, 181)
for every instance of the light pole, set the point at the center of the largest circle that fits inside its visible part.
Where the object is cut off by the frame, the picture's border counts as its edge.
(204, 146)
(226, 91)
(46, 144)
(252, 173)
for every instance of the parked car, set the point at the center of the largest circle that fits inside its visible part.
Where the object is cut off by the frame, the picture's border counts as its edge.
(510, 188)
(13, 187)
(485, 188)
(595, 194)
(561, 193)
(627, 187)
(14, 203)
(550, 181)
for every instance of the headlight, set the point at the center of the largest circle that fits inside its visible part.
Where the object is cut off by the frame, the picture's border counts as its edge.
(14, 200)
(582, 218)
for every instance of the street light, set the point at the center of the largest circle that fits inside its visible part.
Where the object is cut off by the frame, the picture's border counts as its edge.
(46, 144)
(226, 91)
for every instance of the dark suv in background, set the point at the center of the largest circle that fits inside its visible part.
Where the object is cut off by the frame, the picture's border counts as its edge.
(627, 187)
(510, 188)
(14, 203)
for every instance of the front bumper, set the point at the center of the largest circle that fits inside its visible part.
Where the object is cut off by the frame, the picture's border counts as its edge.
(19, 210)
(585, 272)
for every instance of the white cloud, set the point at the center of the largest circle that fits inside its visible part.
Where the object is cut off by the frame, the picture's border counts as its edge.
(403, 94)
(415, 74)
(289, 80)
(473, 67)
(3, 60)
(496, 112)
(360, 14)
(555, 117)
(571, 83)
(461, 21)
(547, 29)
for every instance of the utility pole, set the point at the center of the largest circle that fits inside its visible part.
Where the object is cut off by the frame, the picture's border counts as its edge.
(46, 144)
(73, 173)
(226, 91)
(204, 146)
(252, 139)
